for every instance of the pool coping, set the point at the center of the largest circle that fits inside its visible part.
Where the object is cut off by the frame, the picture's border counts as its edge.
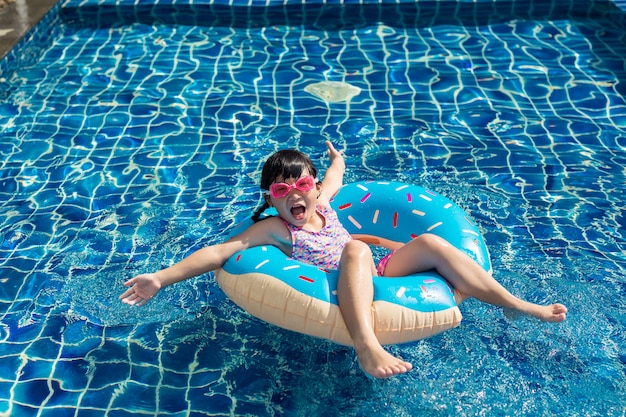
(17, 18)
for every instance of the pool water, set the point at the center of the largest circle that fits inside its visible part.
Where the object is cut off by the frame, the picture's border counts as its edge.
(133, 134)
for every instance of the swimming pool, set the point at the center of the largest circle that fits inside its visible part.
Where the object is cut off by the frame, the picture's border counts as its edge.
(134, 134)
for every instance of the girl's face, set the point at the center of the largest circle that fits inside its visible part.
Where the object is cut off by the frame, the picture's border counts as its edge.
(297, 206)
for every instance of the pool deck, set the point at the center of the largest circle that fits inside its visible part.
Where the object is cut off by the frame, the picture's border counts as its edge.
(17, 17)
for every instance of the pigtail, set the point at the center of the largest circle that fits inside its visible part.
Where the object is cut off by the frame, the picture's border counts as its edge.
(259, 211)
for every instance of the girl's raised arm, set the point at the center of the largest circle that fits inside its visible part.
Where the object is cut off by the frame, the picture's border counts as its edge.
(333, 179)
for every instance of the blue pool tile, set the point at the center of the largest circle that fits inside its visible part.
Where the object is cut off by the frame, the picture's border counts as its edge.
(9, 364)
(219, 404)
(18, 409)
(101, 400)
(147, 375)
(203, 377)
(58, 411)
(33, 392)
(86, 412)
(107, 372)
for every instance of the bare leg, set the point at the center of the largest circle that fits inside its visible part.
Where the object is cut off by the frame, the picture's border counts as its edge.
(428, 252)
(355, 292)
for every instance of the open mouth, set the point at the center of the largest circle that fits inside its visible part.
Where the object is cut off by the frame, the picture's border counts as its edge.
(298, 212)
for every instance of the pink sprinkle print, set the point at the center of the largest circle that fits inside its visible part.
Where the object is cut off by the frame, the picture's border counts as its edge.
(409, 197)
(364, 199)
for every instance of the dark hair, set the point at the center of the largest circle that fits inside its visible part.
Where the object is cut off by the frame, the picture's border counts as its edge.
(283, 165)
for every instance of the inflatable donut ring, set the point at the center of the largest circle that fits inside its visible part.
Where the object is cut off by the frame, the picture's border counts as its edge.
(301, 297)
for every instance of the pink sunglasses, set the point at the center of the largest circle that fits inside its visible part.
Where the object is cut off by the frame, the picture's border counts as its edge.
(281, 189)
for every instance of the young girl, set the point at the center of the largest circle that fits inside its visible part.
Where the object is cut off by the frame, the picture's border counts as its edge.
(307, 229)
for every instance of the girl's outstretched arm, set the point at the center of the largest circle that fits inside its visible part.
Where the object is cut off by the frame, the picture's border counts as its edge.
(144, 287)
(333, 178)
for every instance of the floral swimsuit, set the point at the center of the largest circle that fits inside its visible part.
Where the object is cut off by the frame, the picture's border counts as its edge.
(322, 249)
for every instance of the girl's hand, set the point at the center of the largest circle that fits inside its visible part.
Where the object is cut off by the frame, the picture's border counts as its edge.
(142, 288)
(334, 155)
(333, 179)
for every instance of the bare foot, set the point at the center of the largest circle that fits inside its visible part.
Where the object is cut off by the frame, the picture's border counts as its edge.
(554, 313)
(379, 363)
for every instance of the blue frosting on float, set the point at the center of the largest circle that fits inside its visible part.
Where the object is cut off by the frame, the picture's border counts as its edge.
(400, 212)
